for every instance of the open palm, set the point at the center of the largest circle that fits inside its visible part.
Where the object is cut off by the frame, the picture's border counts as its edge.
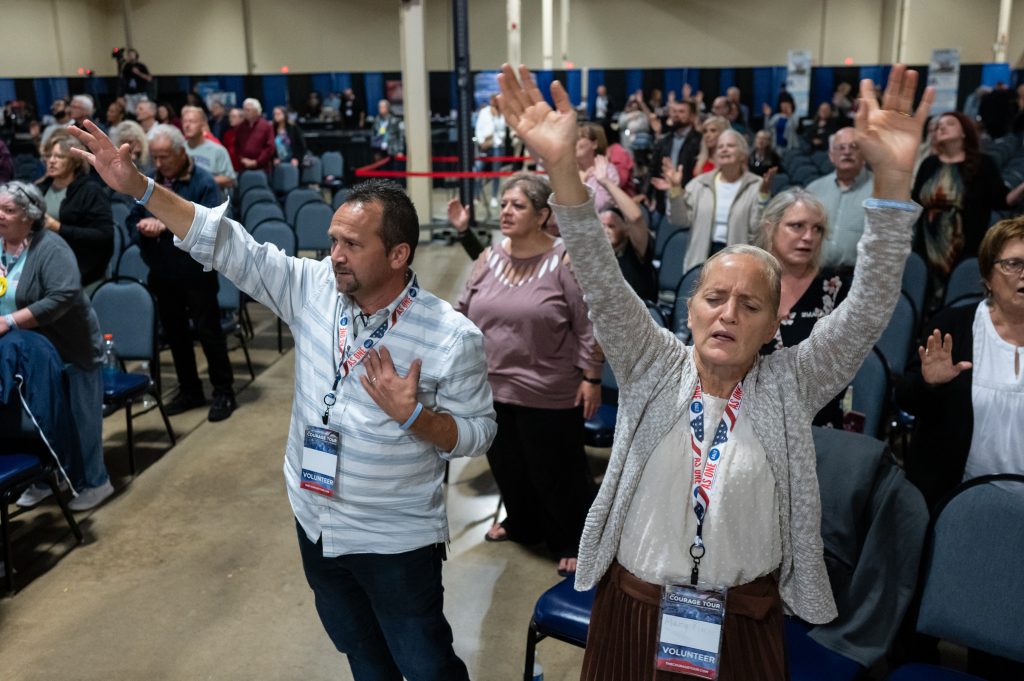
(889, 135)
(113, 164)
(549, 134)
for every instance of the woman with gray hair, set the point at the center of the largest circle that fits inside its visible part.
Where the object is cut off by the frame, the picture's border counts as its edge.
(40, 289)
(708, 519)
(132, 134)
(793, 227)
(720, 208)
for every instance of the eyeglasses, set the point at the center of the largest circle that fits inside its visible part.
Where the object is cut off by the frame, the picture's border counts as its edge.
(1012, 266)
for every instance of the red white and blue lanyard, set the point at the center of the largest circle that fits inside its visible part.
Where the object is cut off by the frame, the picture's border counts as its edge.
(704, 478)
(350, 362)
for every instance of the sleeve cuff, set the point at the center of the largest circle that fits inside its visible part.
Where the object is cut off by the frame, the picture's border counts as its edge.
(908, 206)
(204, 217)
(553, 201)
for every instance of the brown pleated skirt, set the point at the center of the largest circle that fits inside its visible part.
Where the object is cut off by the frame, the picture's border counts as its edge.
(624, 629)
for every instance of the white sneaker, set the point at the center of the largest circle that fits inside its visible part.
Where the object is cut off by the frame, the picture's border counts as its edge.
(33, 495)
(91, 497)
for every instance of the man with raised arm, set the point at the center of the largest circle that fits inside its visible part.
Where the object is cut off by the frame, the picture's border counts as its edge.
(375, 414)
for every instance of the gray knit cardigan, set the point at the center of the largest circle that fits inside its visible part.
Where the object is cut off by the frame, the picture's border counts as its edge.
(782, 392)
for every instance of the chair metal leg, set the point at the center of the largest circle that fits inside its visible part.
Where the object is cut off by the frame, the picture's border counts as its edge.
(245, 351)
(167, 421)
(131, 445)
(5, 534)
(531, 650)
(280, 347)
(54, 484)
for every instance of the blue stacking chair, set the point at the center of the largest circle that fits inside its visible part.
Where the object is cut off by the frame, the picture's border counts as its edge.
(312, 171)
(132, 266)
(670, 273)
(311, 223)
(599, 431)
(871, 392)
(897, 339)
(254, 196)
(974, 599)
(680, 306)
(229, 300)
(661, 236)
(339, 198)
(252, 179)
(561, 613)
(334, 169)
(259, 213)
(25, 461)
(126, 309)
(281, 235)
(780, 182)
(286, 178)
(115, 254)
(296, 200)
(915, 284)
(964, 283)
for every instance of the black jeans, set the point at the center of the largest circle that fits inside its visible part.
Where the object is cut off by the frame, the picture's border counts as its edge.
(195, 300)
(384, 612)
(541, 468)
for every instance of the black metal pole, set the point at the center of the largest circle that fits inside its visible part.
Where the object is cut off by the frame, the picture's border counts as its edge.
(464, 89)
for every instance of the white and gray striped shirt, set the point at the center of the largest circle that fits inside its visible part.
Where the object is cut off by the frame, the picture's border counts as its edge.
(387, 494)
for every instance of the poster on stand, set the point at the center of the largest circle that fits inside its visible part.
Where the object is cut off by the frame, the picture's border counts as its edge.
(944, 76)
(798, 79)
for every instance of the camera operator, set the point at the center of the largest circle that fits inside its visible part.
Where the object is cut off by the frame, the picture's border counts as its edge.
(135, 77)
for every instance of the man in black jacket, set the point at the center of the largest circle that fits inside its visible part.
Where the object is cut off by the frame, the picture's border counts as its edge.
(184, 292)
(681, 144)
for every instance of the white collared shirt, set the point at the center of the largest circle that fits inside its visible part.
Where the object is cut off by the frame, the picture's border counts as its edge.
(388, 492)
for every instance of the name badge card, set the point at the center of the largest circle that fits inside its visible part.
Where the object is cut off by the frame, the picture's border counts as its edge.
(690, 631)
(319, 460)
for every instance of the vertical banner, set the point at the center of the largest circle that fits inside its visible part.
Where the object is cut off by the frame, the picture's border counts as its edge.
(798, 79)
(944, 76)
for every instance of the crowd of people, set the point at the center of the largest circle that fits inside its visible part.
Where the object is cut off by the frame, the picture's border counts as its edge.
(794, 289)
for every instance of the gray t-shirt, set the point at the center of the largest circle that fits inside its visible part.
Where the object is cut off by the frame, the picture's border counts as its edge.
(55, 197)
(213, 158)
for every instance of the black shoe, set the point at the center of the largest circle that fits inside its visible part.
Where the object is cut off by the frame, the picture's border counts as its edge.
(183, 402)
(222, 407)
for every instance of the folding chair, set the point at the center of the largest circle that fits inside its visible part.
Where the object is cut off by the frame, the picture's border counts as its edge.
(259, 213)
(964, 280)
(670, 273)
(286, 178)
(681, 305)
(229, 300)
(897, 339)
(311, 223)
(132, 266)
(334, 169)
(126, 309)
(340, 196)
(561, 613)
(871, 392)
(296, 200)
(253, 196)
(282, 236)
(312, 171)
(251, 179)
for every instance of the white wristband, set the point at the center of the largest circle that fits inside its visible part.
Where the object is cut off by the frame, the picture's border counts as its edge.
(11, 324)
(149, 192)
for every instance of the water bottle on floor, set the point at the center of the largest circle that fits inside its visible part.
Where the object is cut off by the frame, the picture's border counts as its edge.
(111, 365)
(538, 671)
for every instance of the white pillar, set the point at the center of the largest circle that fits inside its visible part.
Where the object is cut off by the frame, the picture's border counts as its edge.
(1003, 32)
(563, 20)
(514, 27)
(904, 30)
(547, 61)
(416, 102)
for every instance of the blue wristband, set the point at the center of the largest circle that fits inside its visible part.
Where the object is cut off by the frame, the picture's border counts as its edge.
(412, 418)
(149, 192)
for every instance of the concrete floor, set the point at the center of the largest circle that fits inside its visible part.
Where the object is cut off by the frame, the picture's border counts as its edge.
(191, 570)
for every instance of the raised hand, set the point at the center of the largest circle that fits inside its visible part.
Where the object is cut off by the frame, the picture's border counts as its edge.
(936, 356)
(549, 134)
(600, 168)
(458, 215)
(888, 135)
(766, 180)
(113, 164)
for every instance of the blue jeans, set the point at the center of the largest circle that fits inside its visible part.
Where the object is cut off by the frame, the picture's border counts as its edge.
(384, 612)
(85, 392)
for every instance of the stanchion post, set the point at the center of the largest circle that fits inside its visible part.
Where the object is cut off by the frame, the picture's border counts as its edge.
(464, 88)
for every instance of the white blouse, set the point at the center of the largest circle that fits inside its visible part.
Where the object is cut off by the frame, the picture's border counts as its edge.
(997, 443)
(742, 532)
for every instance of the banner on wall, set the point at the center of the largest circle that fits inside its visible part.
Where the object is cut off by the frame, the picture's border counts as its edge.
(944, 76)
(798, 79)
(485, 84)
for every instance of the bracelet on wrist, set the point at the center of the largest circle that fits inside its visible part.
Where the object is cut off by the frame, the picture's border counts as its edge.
(592, 381)
(11, 324)
(150, 184)
(412, 417)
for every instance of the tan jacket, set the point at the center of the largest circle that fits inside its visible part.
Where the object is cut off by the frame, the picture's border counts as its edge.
(695, 208)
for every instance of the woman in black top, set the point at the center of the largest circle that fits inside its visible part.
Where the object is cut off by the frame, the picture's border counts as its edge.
(959, 188)
(763, 157)
(77, 208)
(793, 229)
(288, 140)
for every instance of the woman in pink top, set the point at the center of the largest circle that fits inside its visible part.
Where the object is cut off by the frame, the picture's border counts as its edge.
(544, 368)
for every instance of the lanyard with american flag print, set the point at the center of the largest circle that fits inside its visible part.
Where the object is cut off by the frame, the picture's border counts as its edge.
(704, 478)
(350, 362)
